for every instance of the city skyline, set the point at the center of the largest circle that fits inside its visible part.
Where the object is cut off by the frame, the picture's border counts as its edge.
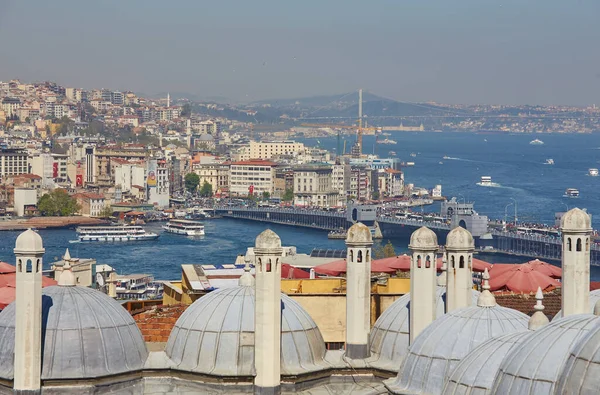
(464, 52)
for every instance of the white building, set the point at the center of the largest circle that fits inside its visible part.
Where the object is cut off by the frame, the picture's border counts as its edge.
(255, 175)
(270, 149)
(129, 174)
(24, 197)
(157, 181)
(13, 161)
(313, 186)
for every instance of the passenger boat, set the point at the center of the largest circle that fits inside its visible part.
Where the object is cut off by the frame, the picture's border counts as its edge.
(387, 141)
(536, 142)
(184, 227)
(392, 153)
(486, 181)
(114, 233)
(549, 161)
(593, 172)
(571, 193)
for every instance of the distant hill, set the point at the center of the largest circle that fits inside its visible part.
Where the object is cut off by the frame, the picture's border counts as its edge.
(333, 101)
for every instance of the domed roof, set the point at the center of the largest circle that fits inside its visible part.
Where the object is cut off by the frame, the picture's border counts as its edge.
(359, 233)
(29, 241)
(215, 336)
(87, 335)
(389, 337)
(423, 238)
(580, 374)
(206, 137)
(460, 239)
(267, 239)
(594, 298)
(576, 220)
(476, 372)
(534, 367)
(443, 344)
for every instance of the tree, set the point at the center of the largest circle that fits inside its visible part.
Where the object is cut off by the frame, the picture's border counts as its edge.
(186, 110)
(288, 195)
(266, 195)
(206, 189)
(386, 251)
(375, 195)
(58, 203)
(106, 212)
(191, 181)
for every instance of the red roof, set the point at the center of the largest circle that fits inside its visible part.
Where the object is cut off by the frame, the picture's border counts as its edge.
(8, 276)
(521, 278)
(289, 271)
(535, 265)
(255, 162)
(7, 295)
(478, 265)
(7, 268)
(336, 268)
(9, 280)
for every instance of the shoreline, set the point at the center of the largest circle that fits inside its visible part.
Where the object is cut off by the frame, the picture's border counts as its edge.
(48, 223)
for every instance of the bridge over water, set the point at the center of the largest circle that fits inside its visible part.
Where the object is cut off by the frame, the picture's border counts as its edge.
(499, 241)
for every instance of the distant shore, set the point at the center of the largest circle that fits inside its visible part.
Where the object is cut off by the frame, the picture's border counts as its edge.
(48, 222)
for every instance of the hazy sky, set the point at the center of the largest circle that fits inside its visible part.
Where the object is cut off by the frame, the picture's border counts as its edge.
(454, 51)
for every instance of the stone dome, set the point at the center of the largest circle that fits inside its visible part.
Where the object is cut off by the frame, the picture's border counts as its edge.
(29, 241)
(86, 334)
(576, 220)
(594, 298)
(534, 367)
(423, 239)
(389, 337)
(460, 239)
(206, 137)
(359, 233)
(215, 336)
(443, 344)
(267, 239)
(581, 373)
(475, 373)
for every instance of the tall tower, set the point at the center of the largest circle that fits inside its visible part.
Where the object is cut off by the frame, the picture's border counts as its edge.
(423, 244)
(168, 100)
(360, 119)
(358, 291)
(29, 251)
(576, 228)
(267, 313)
(459, 258)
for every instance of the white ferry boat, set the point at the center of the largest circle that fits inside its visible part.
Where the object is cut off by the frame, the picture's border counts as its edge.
(549, 161)
(114, 233)
(387, 141)
(184, 227)
(486, 181)
(593, 172)
(536, 142)
(571, 193)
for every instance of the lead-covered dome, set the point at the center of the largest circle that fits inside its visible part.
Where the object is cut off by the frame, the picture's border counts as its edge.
(576, 220)
(85, 333)
(215, 336)
(389, 337)
(581, 373)
(474, 375)
(534, 367)
(449, 339)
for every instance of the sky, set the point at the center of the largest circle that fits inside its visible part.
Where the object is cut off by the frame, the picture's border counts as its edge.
(447, 51)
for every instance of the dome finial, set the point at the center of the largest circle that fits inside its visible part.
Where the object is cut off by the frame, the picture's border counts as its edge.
(538, 319)
(67, 278)
(247, 279)
(486, 298)
(67, 256)
(441, 279)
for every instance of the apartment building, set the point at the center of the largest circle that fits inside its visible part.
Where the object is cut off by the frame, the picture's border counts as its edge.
(13, 161)
(254, 175)
(215, 173)
(390, 182)
(271, 149)
(313, 186)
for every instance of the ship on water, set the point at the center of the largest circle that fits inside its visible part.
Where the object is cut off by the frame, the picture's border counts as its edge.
(184, 227)
(536, 142)
(114, 233)
(486, 181)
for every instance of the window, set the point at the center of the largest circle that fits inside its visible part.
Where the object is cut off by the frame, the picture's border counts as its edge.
(452, 263)
(579, 244)
(569, 244)
(461, 262)
(428, 262)
(359, 256)
(419, 261)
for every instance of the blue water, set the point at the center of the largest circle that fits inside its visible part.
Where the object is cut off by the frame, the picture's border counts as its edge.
(508, 159)
(511, 162)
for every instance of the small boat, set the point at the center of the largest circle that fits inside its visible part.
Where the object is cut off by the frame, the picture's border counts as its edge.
(387, 141)
(549, 161)
(536, 142)
(446, 157)
(413, 155)
(410, 163)
(392, 153)
(184, 227)
(441, 163)
(337, 234)
(486, 181)
(571, 193)
(114, 233)
(593, 172)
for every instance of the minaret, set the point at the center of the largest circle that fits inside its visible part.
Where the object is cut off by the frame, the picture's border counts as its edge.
(423, 244)
(576, 229)
(29, 251)
(538, 318)
(358, 291)
(267, 313)
(459, 258)
(168, 100)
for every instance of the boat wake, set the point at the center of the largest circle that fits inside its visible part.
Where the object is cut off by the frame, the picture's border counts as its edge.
(490, 185)
(74, 241)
